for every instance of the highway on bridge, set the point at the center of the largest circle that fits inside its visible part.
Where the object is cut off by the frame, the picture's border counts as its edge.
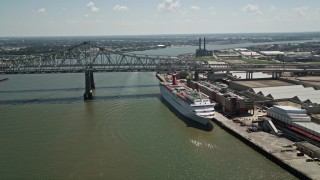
(87, 56)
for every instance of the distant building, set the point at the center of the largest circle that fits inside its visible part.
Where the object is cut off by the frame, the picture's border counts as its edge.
(226, 53)
(161, 46)
(241, 49)
(250, 54)
(272, 53)
(203, 52)
(299, 56)
(246, 53)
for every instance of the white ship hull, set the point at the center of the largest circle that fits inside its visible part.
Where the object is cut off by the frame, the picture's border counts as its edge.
(181, 106)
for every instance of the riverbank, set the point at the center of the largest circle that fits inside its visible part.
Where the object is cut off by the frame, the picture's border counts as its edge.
(277, 149)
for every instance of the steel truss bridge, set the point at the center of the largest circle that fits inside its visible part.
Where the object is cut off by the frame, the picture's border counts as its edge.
(87, 56)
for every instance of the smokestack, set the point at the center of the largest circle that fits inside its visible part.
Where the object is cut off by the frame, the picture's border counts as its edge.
(199, 43)
(204, 43)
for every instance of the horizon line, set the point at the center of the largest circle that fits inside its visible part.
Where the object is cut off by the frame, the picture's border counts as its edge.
(166, 34)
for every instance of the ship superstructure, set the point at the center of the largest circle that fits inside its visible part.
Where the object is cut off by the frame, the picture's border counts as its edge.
(189, 102)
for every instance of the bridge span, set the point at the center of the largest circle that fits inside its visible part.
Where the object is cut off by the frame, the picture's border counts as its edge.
(88, 58)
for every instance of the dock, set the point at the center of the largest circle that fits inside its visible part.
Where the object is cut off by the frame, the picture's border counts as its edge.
(280, 150)
(277, 149)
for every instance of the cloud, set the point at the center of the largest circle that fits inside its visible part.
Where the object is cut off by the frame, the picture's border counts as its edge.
(92, 7)
(250, 8)
(212, 9)
(195, 8)
(272, 8)
(86, 15)
(120, 8)
(301, 11)
(40, 10)
(72, 21)
(169, 5)
(183, 21)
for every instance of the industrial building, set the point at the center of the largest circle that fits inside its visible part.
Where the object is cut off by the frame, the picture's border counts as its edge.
(203, 52)
(296, 123)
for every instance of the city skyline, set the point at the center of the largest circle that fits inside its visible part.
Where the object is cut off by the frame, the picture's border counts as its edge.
(98, 17)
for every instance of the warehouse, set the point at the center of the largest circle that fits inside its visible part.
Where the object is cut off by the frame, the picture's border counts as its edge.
(269, 90)
(288, 114)
(295, 120)
(298, 95)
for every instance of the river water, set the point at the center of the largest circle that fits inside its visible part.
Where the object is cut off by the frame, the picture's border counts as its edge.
(125, 132)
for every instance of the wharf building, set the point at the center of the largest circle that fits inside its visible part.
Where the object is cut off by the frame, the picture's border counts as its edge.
(203, 52)
(295, 123)
(231, 104)
(282, 90)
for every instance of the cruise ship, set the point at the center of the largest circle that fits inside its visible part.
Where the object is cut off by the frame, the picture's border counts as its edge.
(189, 102)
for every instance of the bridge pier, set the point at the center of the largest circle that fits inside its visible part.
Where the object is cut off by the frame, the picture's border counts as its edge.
(275, 75)
(92, 84)
(249, 75)
(88, 86)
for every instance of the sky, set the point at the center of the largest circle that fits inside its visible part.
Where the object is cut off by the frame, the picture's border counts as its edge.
(148, 17)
